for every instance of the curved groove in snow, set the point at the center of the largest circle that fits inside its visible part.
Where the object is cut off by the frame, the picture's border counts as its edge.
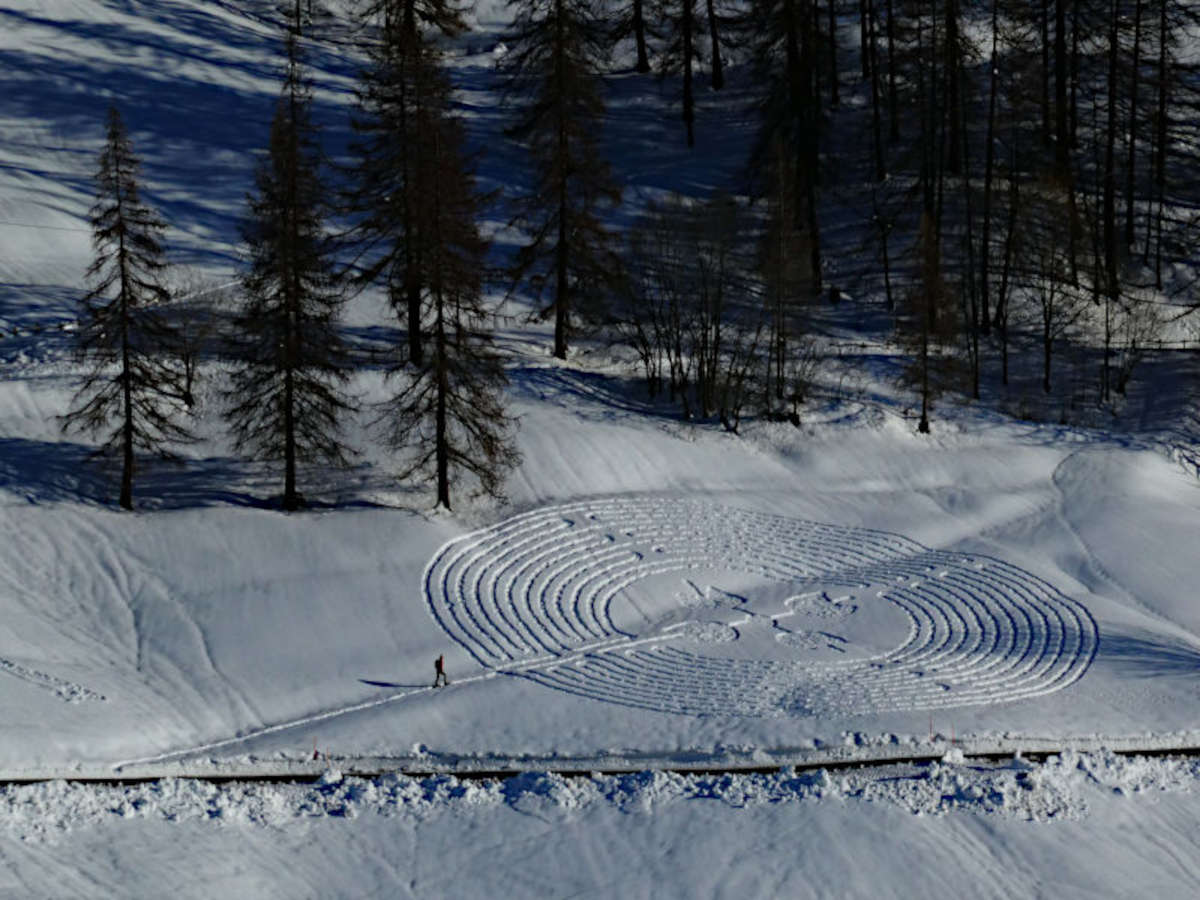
(978, 630)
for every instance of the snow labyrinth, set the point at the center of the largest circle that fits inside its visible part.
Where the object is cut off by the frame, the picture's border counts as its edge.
(685, 606)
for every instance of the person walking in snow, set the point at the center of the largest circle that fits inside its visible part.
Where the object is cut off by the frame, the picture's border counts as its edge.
(439, 670)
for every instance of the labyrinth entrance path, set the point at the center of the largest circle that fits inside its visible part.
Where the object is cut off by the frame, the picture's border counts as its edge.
(686, 606)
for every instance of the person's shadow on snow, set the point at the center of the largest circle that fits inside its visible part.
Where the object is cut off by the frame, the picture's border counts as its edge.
(390, 684)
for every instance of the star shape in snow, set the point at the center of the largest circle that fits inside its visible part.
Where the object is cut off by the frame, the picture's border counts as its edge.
(710, 597)
(821, 605)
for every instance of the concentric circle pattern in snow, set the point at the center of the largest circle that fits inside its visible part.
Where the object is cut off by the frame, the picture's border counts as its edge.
(686, 606)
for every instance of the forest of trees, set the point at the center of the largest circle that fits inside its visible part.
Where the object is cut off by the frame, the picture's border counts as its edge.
(1023, 178)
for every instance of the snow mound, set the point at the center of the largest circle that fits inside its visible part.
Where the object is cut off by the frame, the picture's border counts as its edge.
(1059, 788)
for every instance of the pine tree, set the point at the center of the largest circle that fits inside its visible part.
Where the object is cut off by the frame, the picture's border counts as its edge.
(133, 390)
(929, 327)
(411, 16)
(716, 65)
(383, 187)
(681, 54)
(631, 22)
(285, 397)
(383, 192)
(552, 67)
(782, 39)
(450, 412)
(783, 266)
(1055, 304)
(683, 27)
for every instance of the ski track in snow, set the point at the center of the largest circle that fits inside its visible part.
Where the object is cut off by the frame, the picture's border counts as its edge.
(534, 596)
(67, 691)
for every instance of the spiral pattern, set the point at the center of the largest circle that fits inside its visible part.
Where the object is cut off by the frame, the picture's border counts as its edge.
(552, 596)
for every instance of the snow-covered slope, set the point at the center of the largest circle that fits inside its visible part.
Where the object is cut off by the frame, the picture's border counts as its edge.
(654, 590)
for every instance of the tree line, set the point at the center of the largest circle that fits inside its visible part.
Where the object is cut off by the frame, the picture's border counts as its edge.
(415, 206)
(1022, 184)
(1046, 186)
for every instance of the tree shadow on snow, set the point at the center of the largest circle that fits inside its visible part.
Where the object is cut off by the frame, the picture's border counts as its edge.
(590, 395)
(50, 471)
(390, 684)
(58, 471)
(208, 113)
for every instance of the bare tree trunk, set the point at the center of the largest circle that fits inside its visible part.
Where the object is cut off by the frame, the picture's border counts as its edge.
(126, 499)
(887, 274)
(412, 291)
(864, 61)
(1160, 162)
(1110, 193)
(1074, 129)
(689, 113)
(924, 116)
(779, 290)
(1133, 122)
(639, 37)
(953, 88)
(412, 280)
(1006, 268)
(291, 285)
(442, 436)
(937, 107)
(1045, 73)
(562, 282)
(972, 299)
(1150, 198)
(985, 249)
(880, 168)
(834, 99)
(441, 424)
(923, 425)
(814, 17)
(811, 139)
(718, 70)
(1061, 140)
(1106, 375)
(1047, 344)
(893, 93)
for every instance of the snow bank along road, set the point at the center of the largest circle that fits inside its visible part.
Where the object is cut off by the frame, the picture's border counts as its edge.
(1018, 787)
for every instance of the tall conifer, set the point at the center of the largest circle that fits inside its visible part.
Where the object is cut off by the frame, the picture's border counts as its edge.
(553, 72)
(285, 396)
(449, 414)
(133, 392)
(383, 191)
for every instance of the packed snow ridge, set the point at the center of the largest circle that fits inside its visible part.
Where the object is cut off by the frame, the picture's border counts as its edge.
(1060, 787)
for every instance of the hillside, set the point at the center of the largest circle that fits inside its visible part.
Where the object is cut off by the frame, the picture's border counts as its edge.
(654, 592)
